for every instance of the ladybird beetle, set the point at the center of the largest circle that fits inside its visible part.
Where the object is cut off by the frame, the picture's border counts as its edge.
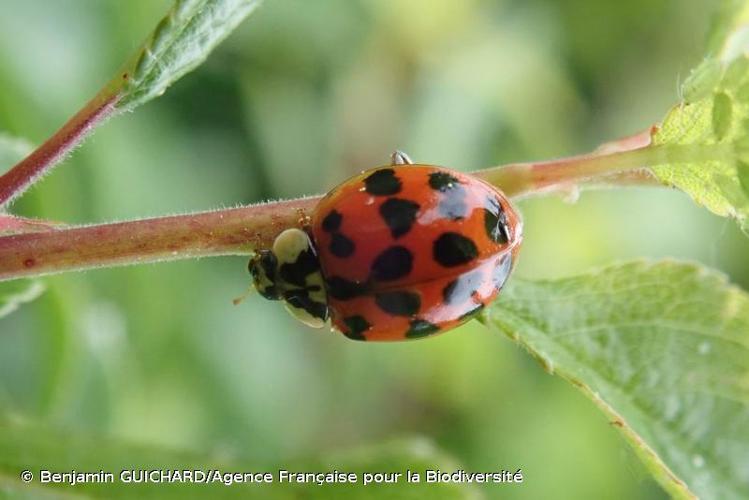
(398, 252)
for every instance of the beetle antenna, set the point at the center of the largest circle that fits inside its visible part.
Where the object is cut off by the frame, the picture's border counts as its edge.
(242, 297)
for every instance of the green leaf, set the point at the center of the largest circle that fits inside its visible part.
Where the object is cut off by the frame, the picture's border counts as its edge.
(663, 350)
(181, 41)
(15, 293)
(25, 445)
(743, 169)
(713, 119)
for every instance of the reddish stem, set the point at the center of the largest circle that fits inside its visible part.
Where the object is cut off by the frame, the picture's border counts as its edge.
(227, 232)
(27, 171)
(10, 224)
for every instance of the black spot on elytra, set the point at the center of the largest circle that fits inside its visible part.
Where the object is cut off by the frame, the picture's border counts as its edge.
(300, 299)
(340, 246)
(343, 289)
(453, 249)
(453, 203)
(392, 264)
(462, 288)
(399, 215)
(502, 271)
(357, 325)
(421, 328)
(472, 313)
(495, 222)
(382, 183)
(448, 293)
(399, 303)
(332, 221)
(442, 181)
(296, 272)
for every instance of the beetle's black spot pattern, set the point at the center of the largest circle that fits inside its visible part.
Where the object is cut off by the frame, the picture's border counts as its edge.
(502, 271)
(453, 249)
(265, 263)
(399, 215)
(472, 313)
(300, 298)
(270, 293)
(462, 288)
(421, 328)
(392, 264)
(495, 222)
(296, 272)
(399, 303)
(357, 325)
(332, 221)
(453, 204)
(343, 289)
(340, 246)
(268, 262)
(449, 291)
(442, 181)
(382, 183)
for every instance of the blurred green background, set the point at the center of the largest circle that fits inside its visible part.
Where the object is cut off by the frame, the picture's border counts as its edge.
(303, 95)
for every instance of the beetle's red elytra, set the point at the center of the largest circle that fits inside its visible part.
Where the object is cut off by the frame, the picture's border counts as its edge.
(398, 252)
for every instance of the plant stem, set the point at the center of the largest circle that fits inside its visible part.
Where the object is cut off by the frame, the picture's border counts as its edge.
(239, 231)
(234, 231)
(10, 224)
(522, 179)
(27, 171)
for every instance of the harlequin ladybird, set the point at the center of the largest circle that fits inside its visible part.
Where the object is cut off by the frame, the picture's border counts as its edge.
(397, 252)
